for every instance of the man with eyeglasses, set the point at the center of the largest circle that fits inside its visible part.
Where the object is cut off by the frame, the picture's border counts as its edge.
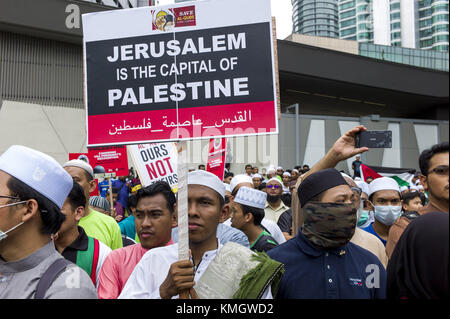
(33, 188)
(433, 163)
(274, 206)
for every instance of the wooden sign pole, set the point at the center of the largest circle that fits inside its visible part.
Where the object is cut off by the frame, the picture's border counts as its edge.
(182, 207)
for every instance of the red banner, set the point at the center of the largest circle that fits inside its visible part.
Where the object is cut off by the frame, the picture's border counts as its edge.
(216, 157)
(114, 159)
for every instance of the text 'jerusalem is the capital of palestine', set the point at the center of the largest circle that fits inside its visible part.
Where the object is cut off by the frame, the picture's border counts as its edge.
(193, 90)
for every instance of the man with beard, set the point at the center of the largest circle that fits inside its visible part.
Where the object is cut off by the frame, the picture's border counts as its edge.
(274, 206)
(321, 262)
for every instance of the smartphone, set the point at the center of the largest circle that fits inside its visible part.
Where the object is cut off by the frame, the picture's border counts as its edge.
(374, 139)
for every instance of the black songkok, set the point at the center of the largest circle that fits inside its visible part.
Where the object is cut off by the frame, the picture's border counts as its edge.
(319, 182)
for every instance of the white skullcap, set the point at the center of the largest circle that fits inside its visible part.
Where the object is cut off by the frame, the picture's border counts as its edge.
(287, 174)
(279, 167)
(257, 176)
(227, 187)
(271, 170)
(238, 179)
(383, 183)
(39, 171)
(345, 175)
(274, 179)
(364, 186)
(251, 197)
(80, 164)
(204, 178)
(295, 170)
(403, 188)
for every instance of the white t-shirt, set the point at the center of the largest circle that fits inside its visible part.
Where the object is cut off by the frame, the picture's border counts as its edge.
(152, 270)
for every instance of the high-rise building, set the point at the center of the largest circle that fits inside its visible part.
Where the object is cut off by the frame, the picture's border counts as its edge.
(316, 17)
(433, 24)
(415, 24)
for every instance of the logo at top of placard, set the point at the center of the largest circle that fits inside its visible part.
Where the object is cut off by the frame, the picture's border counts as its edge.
(168, 19)
(163, 20)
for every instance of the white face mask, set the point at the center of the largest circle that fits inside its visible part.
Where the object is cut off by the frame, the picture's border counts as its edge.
(387, 215)
(3, 235)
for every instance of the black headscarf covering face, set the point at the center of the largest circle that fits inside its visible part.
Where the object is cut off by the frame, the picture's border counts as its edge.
(419, 265)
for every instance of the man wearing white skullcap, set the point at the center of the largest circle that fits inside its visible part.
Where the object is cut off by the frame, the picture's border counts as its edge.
(286, 179)
(248, 212)
(159, 274)
(240, 181)
(385, 201)
(33, 188)
(257, 180)
(366, 217)
(274, 206)
(95, 224)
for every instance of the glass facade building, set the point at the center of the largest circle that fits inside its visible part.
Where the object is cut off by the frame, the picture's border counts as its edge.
(356, 20)
(422, 24)
(316, 17)
(430, 59)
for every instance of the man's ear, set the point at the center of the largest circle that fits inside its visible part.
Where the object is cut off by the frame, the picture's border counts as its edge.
(225, 214)
(31, 210)
(369, 205)
(424, 182)
(92, 185)
(79, 213)
(174, 216)
(248, 218)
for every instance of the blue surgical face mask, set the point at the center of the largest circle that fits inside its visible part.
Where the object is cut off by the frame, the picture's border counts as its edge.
(387, 215)
(3, 235)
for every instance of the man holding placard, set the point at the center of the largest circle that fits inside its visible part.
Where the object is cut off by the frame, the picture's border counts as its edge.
(159, 274)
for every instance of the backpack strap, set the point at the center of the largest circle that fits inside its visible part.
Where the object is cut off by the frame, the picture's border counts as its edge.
(49, 276)
(88, 259)
(95, 261)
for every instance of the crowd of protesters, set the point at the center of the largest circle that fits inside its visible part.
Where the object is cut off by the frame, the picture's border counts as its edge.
(320, 233)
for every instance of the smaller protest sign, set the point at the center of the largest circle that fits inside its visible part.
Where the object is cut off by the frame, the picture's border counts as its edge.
(156, 162)
(216, 157)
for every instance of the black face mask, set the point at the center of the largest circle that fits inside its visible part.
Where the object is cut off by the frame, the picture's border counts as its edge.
(273, 198)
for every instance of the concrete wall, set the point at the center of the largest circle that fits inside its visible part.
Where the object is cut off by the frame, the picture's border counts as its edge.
(318, 134)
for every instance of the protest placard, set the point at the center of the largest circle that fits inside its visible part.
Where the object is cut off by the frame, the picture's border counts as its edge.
(179, 72)
(113, 159)
(156, 162)
(216, 157)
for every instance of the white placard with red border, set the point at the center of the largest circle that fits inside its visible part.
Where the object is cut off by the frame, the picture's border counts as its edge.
(156, 162)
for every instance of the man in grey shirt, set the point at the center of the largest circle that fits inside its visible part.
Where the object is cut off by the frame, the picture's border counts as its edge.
(33, 187)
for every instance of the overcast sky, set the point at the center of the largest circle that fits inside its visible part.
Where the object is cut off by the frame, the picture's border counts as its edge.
(281, 9)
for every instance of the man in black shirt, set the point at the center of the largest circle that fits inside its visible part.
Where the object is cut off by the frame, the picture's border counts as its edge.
(285, 224)
(356, 167)
(247, 214)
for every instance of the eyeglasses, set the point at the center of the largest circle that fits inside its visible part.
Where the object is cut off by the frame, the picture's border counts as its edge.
(440, 170)
(9, 197)
(273, 186)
